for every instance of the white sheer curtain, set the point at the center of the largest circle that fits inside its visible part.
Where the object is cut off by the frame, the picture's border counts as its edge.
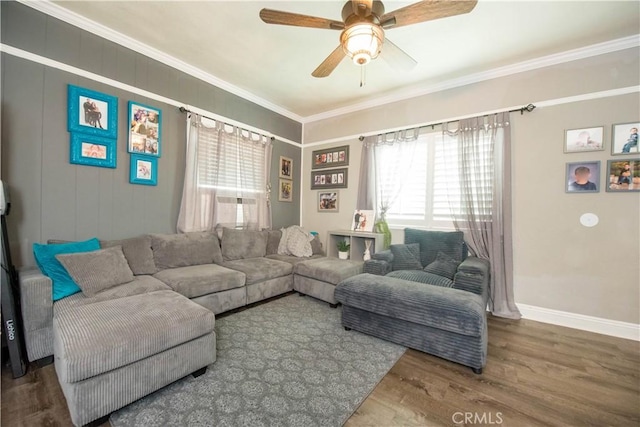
(226, 177)
(479, 153)
(380, 186)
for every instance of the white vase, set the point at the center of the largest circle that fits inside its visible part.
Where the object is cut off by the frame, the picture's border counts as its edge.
(343, 255)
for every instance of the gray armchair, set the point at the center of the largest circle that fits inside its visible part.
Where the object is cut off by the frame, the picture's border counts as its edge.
(441, 311)
(471, 275)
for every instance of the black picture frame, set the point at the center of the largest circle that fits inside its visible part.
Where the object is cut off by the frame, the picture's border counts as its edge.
(333, 178)
(325, 158)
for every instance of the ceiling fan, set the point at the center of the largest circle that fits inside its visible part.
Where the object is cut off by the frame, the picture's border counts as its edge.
(363, 29)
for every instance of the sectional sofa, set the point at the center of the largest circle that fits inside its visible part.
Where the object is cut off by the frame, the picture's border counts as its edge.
(145, 315)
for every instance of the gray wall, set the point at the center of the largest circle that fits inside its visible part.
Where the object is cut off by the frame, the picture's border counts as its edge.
(52, 198)
(285, 213)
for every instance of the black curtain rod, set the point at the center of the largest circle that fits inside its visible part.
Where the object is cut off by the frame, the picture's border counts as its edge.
(184, 110)
(528, 108)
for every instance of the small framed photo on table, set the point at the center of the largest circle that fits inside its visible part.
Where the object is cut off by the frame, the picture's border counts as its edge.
(92, 113)
(144, 129)
(624, 139)
(143, 170)
(91, 150)
(584, 139)
(583, 177)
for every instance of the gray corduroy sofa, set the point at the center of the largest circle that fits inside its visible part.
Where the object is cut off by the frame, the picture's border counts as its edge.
(131, 339)
(395, 299)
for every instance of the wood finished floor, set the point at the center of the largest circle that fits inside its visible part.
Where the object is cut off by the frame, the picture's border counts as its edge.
(536, 375)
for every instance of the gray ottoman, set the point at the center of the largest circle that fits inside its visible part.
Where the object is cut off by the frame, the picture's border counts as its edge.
(446, 322)
(112, 353)
(319, 277)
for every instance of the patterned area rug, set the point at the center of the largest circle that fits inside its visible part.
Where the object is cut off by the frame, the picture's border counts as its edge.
(288, 362)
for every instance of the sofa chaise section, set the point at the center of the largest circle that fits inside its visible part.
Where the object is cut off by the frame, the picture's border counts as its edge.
(111, 353)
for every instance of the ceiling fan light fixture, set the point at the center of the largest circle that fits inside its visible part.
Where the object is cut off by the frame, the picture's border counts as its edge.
(362, 42)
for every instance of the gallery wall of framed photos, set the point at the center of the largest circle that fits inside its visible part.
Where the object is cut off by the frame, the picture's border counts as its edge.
(92, 121)
(621, 174)
(329, 172)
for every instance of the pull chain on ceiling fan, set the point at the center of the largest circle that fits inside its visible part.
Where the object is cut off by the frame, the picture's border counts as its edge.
(363, 29)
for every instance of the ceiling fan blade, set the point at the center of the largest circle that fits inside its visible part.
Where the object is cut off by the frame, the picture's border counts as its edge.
(396, 57)
(362, 7)
(287, 18)
(426, 10)
(330, 63)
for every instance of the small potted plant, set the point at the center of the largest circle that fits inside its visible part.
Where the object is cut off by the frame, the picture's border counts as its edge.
(343, 249)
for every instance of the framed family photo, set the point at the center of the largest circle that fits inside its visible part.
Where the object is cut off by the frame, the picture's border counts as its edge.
(335, 178)
(363, 220)
(584, 139)
(623, 175)
(583, 177)
(90, 150)
(144, 129)
(91, 112)
(143, 170)
(330, 157)
(286, 167)
(624, 138)
(328, 201)
(285, 190)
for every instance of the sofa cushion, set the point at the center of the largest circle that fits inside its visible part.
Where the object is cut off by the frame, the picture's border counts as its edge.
(45, 255)
(198, 280)
(260, 269)
(140, 285)
(292, 259)
(137, 251)
(443, 265)
(422, 277)
(98, 270)
(243, 244)
(98, 338)
(448, 309)
(329, 270)
(316, 246)
(273, 240)
(406, 257)
(183, 250)
(432, 242)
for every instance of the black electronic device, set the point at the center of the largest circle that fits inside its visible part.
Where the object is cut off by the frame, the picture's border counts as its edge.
(11, 319)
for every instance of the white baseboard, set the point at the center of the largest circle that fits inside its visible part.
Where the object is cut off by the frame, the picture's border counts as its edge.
(598, 325)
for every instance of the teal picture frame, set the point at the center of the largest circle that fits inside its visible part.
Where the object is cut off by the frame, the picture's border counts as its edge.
(91, 112)
(91, 150)
(143, 170)
(145, 129)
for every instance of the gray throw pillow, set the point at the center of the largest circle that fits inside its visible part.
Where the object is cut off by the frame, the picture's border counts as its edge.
(273, 240)
(406, 257)
(316, 246)
(138, 253)
(183, 250)
(243, 244)
(432, 242)
(97, 270)
(444, 266)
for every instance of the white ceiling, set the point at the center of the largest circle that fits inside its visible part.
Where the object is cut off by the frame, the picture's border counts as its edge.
(226, 39)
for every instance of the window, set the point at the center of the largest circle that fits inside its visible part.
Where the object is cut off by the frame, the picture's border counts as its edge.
(231, 163)
(432, 183)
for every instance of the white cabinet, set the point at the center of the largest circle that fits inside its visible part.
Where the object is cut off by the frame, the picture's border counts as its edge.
(357, 241)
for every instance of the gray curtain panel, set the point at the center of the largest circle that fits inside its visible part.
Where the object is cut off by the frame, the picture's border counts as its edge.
(480, 151)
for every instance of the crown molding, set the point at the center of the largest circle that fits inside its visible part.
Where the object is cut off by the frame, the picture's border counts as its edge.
(65, 15)
(533, 64)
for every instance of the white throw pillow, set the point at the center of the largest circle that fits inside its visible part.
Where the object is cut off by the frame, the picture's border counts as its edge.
(299, 242)
(282, 246)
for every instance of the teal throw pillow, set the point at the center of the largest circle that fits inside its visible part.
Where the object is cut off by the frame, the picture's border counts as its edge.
(45, 255)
